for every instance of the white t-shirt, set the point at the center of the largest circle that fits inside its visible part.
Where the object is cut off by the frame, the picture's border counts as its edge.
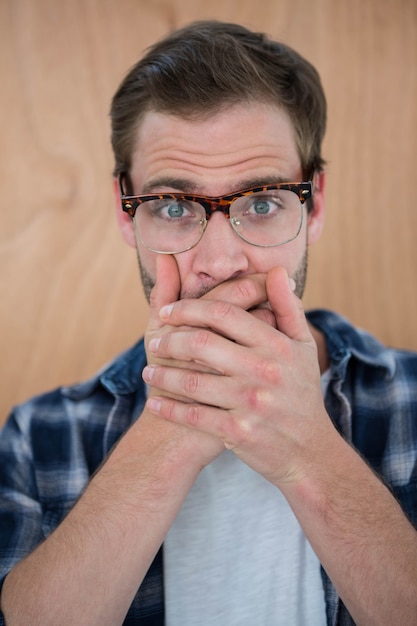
(237, 556)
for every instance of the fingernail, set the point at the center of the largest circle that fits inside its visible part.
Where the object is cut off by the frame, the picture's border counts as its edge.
(292, 284)
(165, 311)
(154, 345)
(147, 373)
(154, 405)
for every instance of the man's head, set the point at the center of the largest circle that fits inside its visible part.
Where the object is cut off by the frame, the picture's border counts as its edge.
(211, 110)
(208, 66)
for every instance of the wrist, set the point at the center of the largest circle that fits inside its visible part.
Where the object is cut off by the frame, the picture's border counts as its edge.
(161, 454)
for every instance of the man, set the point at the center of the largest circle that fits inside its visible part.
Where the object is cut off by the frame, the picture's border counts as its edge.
(257, 448)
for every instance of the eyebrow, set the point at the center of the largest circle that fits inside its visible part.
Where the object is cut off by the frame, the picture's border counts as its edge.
(184, 185)
(180, 184)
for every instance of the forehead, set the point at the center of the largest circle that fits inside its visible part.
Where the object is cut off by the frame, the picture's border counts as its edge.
(216, 153)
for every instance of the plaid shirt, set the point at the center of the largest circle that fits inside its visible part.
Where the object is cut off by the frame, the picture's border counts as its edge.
(51, 445)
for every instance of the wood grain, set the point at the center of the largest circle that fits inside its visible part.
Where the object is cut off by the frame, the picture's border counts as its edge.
(70, 296)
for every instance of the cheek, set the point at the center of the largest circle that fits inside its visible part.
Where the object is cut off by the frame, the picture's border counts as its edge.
(147, 262)
(148, 267)
(288, 256)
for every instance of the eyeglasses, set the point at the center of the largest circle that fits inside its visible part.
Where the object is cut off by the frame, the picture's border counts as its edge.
(265, 216)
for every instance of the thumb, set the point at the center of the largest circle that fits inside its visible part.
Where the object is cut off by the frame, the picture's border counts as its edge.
(167, 287)
(287, 308)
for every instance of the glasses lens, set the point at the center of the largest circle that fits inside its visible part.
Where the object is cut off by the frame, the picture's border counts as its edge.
(267, 218)
(169, 224)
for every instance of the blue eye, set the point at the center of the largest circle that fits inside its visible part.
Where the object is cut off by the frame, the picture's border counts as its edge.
(174, 210)
(170, 209)
(261, 207)
(264, 206)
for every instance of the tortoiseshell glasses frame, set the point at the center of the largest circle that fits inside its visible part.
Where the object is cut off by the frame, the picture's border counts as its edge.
(176, 232)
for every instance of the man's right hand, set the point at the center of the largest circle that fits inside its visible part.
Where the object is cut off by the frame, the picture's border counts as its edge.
(246, 292)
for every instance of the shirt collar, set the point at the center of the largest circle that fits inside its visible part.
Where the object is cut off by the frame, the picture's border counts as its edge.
(123, 375)
(344, 341)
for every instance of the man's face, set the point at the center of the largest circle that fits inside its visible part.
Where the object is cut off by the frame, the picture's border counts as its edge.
(243, 146)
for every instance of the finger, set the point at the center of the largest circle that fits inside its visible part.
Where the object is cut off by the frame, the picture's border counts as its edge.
(288, 309)
(234, 430)
(167, 284)
(265, 315)
(192, 385)
(219, 354)
(199, 346)
(245, 292)
(167, 287)
(207, 419)
(221, 317)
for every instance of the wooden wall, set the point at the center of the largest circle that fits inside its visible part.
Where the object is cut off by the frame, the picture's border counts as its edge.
(70, 296)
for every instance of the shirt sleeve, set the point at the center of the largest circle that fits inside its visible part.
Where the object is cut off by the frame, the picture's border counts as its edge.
(20, 509)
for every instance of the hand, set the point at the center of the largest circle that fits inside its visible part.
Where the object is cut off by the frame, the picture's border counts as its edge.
(247, 292)
(265, 402)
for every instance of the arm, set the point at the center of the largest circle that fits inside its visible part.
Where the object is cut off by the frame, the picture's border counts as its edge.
(90, 567)
(269, 411)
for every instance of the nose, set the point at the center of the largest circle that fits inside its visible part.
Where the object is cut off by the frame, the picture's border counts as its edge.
(220, 253)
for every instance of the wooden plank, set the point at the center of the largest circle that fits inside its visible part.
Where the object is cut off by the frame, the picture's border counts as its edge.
(70, 296)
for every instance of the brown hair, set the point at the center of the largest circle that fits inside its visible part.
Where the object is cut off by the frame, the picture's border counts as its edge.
(207, 66)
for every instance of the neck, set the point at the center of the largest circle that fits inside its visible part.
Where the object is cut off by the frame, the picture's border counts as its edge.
(321, 349)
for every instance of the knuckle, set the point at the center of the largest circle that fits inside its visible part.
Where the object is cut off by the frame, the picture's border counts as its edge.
(244, 290)
(258, 401)
(250, 291)
(193, 415)
(199, 341)
(220, 309)
(191, 382)
(170, 408)
(269, 371)
(254, 399)
(240, 431)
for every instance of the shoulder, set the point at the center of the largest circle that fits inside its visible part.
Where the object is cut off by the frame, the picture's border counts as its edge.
(348, 344)
(372, 399)
(51, 418)
(52, 444)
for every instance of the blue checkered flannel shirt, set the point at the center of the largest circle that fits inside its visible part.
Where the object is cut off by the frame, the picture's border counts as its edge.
(51, 445)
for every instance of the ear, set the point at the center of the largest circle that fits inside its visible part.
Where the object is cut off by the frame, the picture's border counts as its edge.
(124, 220)
(316, 215)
